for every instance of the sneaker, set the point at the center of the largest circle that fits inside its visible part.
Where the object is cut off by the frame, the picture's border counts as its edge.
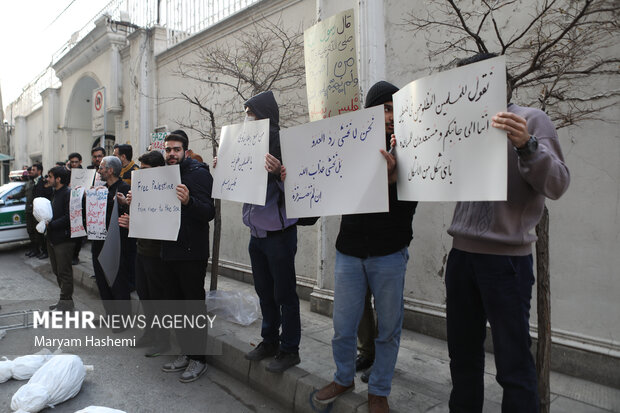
(157, 350)
(262, 351)
(177, 365)
(194, 370)
(331, 392)
(63, 306)
(283, 361)
(363, 362)
(366, 375)
(43, 256)
(377, 404)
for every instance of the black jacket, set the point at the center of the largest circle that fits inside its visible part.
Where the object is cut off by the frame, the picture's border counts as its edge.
(59, 228)
(193, 240)
(378, 234)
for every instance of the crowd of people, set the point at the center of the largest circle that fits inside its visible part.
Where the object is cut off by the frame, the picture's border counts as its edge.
(489, 274)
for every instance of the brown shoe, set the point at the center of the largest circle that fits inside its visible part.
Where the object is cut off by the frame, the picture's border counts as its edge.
(330, 392)
(377, 404)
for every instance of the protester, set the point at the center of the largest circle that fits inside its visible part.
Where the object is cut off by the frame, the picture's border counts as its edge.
(150, 274)
(59, 244)
(75, 162)
(97, 155)
(116, 296)
(272, 248)
(31, 223)
(41, 188)
(124, 152)
(489, 274)
(372, 252)
(185, 260)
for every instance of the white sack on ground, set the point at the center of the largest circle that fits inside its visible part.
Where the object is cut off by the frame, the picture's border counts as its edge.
(99, 409)
(56, 381)
(42, 211)
(22, 368)
(236, 306)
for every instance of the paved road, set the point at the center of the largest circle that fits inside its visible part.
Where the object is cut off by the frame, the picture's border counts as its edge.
(127, 381)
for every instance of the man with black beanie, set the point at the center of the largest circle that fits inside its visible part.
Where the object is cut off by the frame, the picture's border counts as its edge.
(372, 252)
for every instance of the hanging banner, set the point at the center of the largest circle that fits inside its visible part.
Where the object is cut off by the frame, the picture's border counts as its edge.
(155, 210)
(240, 174)
(332, 82)
(82, 177)
(334, 166)
(96, 204)
(75, 212)
(446, 147)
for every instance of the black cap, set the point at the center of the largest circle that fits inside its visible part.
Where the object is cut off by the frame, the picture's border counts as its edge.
(380, 93)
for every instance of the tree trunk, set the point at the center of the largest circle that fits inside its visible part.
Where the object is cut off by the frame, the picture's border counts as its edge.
(215, 255)
(543, 353)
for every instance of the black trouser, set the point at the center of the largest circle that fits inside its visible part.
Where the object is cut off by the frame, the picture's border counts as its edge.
(497, 288)
(367, 330)
(60, 258)
(151, 287)
(115, 297)
(185, 281)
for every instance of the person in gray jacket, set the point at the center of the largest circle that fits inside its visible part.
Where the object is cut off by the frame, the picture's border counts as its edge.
(489, 273)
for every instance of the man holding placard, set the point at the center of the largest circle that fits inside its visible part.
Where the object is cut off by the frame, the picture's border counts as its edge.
(273, 245)
(75, 162)
(489, 274)
(185, 260)
(59, 245)
(372, 252)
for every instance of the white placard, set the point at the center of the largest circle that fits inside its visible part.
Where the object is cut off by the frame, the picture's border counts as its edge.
(75, 212)
(82, 177)
(332, 82)
(333, 166)
(98, 181)
(240, 174)
(155, 211)
(447, 149)
(96, 204)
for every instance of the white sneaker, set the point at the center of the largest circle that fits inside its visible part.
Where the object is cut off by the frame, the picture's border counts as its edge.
(194, 370)
(177, 365)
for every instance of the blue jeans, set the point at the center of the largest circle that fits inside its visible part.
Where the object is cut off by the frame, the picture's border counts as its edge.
(497, 288)
(385, 275)
(273, 268)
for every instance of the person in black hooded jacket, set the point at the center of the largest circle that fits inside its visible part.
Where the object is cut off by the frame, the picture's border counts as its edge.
(272, 249)
(185, 260)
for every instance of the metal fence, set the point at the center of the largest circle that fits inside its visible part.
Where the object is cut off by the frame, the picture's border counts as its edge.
(181, 19)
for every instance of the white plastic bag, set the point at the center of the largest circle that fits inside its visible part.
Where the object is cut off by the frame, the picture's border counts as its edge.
(235, 306)
(22, 368)
(56, 381)
(42, 211)
(99, 409)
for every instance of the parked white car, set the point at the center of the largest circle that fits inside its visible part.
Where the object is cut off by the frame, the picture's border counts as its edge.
(12, 214)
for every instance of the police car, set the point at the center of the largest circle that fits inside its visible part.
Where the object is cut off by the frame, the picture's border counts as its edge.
(12, 213)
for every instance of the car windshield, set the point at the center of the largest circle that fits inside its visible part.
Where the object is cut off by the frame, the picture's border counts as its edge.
(6, 188)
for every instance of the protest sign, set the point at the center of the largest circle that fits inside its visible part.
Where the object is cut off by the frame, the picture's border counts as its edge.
(75, 212)
(155, 210)
(240, 174)
(447, 149)
(332, 82)
(96, 204)
(82, 177)
(157, 141)
(334, 166)
(98, 181)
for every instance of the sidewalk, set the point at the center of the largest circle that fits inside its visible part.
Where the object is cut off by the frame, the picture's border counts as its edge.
(421, 380)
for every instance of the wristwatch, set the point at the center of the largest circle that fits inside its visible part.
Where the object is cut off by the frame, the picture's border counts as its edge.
(529, 148)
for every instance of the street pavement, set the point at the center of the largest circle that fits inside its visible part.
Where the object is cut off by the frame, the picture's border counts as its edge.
(128, 382)
(421, 381)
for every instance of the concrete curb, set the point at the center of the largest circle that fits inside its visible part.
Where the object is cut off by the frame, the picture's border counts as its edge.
(292, 389)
